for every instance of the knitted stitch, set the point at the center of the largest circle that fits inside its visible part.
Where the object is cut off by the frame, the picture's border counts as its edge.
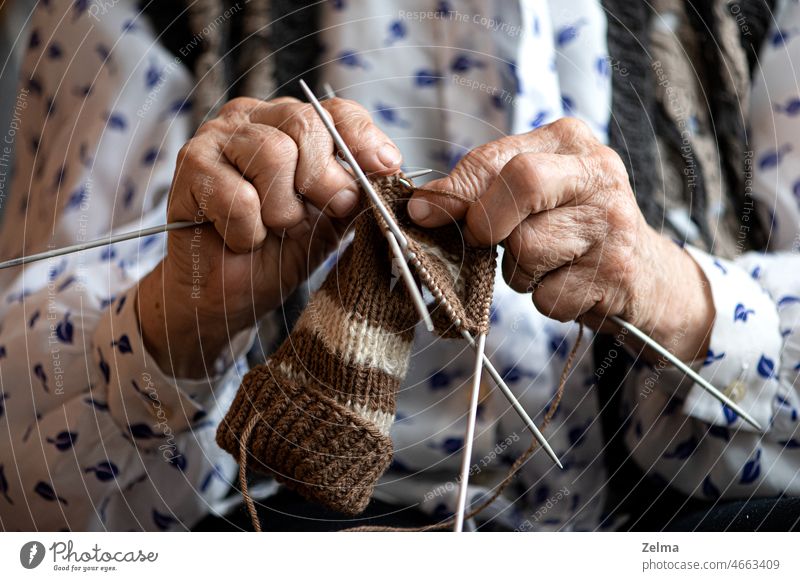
(318, 412)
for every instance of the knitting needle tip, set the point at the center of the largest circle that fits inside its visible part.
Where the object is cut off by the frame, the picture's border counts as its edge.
(405, 272)
(418, 173)
(469, 438)
(512, 399)
(688, 371)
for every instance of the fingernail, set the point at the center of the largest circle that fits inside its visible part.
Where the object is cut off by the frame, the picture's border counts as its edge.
(389, 155)
(344, 202)
(419, 209)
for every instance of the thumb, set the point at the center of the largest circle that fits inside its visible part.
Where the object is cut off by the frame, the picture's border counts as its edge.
(437, 204)
(448, 198)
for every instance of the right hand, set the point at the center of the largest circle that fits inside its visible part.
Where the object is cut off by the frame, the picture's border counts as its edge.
(243, 171)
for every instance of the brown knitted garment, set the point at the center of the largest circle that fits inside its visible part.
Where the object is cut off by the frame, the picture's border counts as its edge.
(321, 407)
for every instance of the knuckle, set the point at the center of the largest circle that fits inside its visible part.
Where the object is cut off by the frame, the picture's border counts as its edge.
(262, 140)
(527, 247)
(611, 164)
(531, 174)
(571, 127)
(473, 170)
(303, 120)
(241, 207)
(622, 218)
(281, 147)
(306, 127)
(185, 154)
(239, 105)
(338, 106)
(520, 164)
(210, 126)
(284, 101)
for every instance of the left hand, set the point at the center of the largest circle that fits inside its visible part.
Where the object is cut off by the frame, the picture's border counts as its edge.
(561, 204)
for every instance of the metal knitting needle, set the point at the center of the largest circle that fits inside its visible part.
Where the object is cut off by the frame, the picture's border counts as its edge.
(509, 395)
(329, 92)
(406, 272)
(721, 397)
(399, 245)
(126, 236)
(466, 458)
(351, 160)
(656, 346)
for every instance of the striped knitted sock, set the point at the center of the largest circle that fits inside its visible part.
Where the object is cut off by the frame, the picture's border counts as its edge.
(321, 407)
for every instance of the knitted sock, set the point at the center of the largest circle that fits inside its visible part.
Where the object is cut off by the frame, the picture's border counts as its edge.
(317, 414)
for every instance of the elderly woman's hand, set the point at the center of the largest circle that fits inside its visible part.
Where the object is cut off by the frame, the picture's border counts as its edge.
(264, 173)
(560, 203)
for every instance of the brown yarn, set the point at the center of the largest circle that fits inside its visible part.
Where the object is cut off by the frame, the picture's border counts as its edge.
(316, 416)
(248, 500)
(518, 463)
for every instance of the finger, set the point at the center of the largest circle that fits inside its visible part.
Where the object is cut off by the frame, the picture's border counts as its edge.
(517, 277)
(476, 171)
(372, 148)
(567, 293)
(549, 240)
(528, 184)
(319, 177)
(207, 190)
(268, 158)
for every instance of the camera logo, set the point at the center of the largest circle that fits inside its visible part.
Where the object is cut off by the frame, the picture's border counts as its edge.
(31, 554)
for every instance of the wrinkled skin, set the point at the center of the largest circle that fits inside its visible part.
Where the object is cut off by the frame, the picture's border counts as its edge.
(265, 174)
(561, 204)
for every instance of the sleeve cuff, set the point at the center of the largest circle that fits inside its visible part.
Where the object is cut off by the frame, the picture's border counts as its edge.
(744, 348)
(149, 405)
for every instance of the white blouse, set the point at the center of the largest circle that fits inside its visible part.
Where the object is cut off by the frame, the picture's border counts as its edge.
(94, 436)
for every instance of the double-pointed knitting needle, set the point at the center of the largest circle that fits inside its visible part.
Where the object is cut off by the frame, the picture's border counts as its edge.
(469, 438)
(396, 238)
(142, 233)
(394, 228)
(509, 395)
(656, 346)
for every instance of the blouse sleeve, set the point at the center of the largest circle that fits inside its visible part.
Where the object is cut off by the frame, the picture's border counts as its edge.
(93, 434)
(678, 430)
